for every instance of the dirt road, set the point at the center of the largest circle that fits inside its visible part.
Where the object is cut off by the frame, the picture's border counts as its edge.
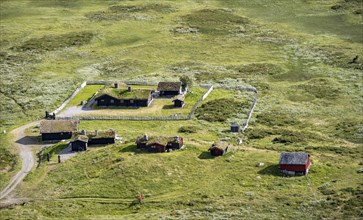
(24, 144)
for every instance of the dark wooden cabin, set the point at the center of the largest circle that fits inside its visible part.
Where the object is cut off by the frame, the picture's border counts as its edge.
(80, 143)
(235, 127)
(294, 163)
(159, 144)
(218, 149)
(179, 101)
(123, 97)
(101, 137)
(169, 88)
(58, 129)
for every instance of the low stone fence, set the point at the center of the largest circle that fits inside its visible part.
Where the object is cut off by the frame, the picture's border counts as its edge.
(249, 115)
(106, 82)
(69, 98)
(210, 89)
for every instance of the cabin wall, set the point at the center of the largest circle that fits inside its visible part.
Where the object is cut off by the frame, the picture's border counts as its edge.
(79, 146)
(294, 167)
(56, 136)
(93, 141)
(216, 152)
(107, 101)
(169, 93)
(156, 148)
(178, 103)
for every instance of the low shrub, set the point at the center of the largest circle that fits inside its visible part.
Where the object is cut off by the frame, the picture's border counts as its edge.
(54, 42)
(188, 129)
(220, 110)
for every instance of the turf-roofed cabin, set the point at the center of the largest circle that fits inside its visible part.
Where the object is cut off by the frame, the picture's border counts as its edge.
(159, 144)
(169, 88)
(58, 129)
(101, 137)
(123, 96)
(295, 163)
(218, 149)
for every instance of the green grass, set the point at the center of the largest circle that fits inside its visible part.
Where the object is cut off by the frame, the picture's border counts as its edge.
(84, 95)
(296, 53)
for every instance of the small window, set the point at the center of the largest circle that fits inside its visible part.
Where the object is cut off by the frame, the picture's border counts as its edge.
(102, 100)
(112, 101)
(131, 101)
(122, 101)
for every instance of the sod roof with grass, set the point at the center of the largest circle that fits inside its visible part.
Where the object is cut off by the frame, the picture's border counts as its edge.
(179, 97)
(157, 139)
(124, 93)
(57, 126)
(82, 138)
(169, 86)
(102, 134)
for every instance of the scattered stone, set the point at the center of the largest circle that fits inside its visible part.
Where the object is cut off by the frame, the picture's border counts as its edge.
(258, 177)
(249, 194)
(239, 141)
(360, 170)
(260, 164)
(4, 131)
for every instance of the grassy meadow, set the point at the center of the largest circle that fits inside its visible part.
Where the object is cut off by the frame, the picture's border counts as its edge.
(298, 54)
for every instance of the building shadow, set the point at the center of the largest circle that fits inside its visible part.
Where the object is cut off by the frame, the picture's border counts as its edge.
(129, 148)
(29, 140)
(271, 170)
(206, 155)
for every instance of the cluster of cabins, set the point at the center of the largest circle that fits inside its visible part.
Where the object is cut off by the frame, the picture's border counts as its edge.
(55, 130)
(290, 163)
(122, 95)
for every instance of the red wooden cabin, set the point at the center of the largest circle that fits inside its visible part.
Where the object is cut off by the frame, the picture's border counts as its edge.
(295, 163)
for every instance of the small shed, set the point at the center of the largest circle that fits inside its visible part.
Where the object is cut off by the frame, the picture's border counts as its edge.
(294, 163)
(218, 149)
(58, 129)
(179, 101)
(235, 127)
(169, 88)
(80, 143)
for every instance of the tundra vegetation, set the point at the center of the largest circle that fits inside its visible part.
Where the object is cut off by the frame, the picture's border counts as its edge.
(299, 54)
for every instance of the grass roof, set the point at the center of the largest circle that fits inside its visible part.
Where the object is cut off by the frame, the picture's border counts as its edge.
(123, 93)
(82, 138)
(169, 86)
(102, 134)
(157, 139)
(179, 97)
(220, 145)
(57, 126)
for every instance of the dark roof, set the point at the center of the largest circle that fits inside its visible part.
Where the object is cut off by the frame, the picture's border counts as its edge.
(82, 138)
(102, 134)
(57, 126)
(234, 125)
(179, 97)
(169, 86)
(293, 158)
(220, 145)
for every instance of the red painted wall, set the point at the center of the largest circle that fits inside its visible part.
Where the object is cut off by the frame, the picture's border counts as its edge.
(295, 167)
